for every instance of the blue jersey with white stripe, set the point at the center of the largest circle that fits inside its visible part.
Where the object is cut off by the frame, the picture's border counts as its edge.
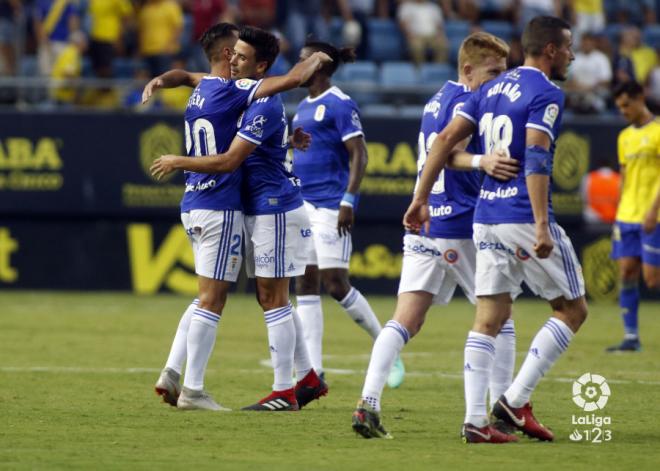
(502, 110)
(331, 118)
(269, 187)
(454, 194)
(211, 116)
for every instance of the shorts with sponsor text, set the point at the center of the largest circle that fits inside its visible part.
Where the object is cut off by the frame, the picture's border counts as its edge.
(505, 258)
(330, 250)
(437, 266)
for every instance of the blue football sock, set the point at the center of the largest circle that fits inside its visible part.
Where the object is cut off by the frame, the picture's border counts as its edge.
(629, 303)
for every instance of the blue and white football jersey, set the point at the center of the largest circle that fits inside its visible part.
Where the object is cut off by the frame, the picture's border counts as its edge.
(210, 118)
(269, 187)
(454, 194)
(502, 110)
(331, 118)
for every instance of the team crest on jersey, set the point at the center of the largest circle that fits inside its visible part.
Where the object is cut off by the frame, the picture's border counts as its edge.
(451, 256)
(244, 84)
(550, 115)
(355, 119)
(256, 127)
(319, 113)
(522, 254)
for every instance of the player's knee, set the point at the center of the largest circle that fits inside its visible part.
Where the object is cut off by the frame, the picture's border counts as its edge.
(307, 286)
(336, 287)
(211, 302)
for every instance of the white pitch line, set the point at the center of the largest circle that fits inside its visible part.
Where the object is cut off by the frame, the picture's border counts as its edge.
(265, 364)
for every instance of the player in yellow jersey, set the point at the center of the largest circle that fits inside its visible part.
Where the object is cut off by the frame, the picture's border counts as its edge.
(636, 235)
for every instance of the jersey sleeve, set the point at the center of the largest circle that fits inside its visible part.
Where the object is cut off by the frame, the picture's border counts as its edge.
(347, 120)
(468, 108)
(260, 121)
(243, 91)
(620, 150)
(545, 113)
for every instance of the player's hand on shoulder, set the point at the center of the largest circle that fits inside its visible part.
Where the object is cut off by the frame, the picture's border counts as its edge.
(544, 245)
(300, 140)
(416, 216)
(500, 166)
(162, 166)
(150, 88)
(345, 220)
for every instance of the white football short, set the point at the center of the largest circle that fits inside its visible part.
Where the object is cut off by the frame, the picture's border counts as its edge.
(216, 238)
(505, 258)
(436, 266)
(277, 245)
(329, 250)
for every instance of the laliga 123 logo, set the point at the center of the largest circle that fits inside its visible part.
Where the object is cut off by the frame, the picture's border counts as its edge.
(591, 393)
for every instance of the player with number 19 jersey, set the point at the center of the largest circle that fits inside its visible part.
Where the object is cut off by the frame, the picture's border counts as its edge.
(504, 231)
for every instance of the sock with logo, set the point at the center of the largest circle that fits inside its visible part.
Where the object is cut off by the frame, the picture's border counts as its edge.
(311, 314)
(282, 343)
(550, 342)
(301, 360)
(201, 339)
(387, 348)
(479, 355)
(179, 349)
(358, 308)
(629, 304)
(504, 363)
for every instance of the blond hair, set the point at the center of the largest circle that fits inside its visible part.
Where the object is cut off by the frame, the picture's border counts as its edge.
(480, 45)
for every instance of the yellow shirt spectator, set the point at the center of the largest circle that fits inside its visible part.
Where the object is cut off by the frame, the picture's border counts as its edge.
(639, 153)
(67, 65)
(160, 23)
(644, 60)
(107, 17)
(588, 7)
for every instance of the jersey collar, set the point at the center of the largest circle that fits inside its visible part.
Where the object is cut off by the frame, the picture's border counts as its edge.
(317, 98)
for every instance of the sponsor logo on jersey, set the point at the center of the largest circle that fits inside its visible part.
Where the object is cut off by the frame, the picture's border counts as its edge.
(244, 84)
(201, 186)
(444, 210)
(550, 114)
(355, 119)
(256, 127)
(508, 192)
(319, 113)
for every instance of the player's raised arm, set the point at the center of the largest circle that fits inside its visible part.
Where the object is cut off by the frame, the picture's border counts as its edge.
(171, 79)
(298, 75)
(458, 129)
(222, 163)
(538, 168)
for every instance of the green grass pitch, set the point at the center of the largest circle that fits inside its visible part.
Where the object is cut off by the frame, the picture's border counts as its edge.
(77, 373)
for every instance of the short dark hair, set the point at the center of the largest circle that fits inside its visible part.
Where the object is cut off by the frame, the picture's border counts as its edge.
(541, 31)
(630, 88)
(265, 44)
(338, 55)
(213, 36)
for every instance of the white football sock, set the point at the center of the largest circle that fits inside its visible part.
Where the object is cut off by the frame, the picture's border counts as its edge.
(358, 308)
(387, 348)
(550, 342)
(501, 376)
(282, 343)
(201, 339)
(178, 351)
(301, 358)
(311, 315)
(479, 355)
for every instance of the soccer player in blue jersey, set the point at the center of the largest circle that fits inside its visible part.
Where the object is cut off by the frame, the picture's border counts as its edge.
(212, 204)
(515, 233)
(438, 259)
(277, 227)
(330, 172)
